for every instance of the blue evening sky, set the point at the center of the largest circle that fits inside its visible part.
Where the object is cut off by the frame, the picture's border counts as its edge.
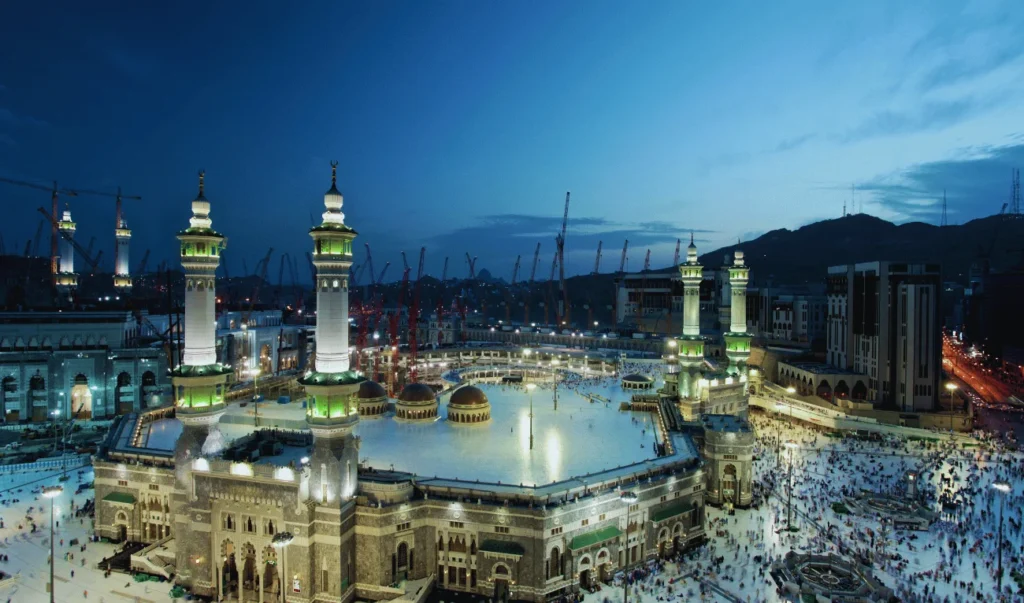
(460, 125)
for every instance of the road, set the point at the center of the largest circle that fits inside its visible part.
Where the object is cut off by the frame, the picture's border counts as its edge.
(956, 362)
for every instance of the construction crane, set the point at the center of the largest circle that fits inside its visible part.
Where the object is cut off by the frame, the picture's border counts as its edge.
(312, 269)
(622, 260)
(597, 260)
(563, 311)
(536, 258)
(551, 293)
(91, 262)
(472, 266)
(405, 262)
(643, 288)
(145, 259)
(118, 213)
(383, 271)
(261, 267)
(529, 289)
(280, 279)
(55, 193)
(515, 270)
(92, 243)
(39, 237)
(414, 317)
(622, 268)
(675, 258)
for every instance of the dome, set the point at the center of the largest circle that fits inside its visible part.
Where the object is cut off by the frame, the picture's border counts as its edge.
(637, 378)
(468, 396)
(371, 390)
(416, 392)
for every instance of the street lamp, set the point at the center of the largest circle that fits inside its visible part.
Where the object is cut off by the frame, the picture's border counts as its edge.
(791, 390)
(530, 387)
(789, 512)
(51, 492)
(778, 439)
(951, 387)
(1003, 488)
(280, 541)
(256, 395)
(629, 498)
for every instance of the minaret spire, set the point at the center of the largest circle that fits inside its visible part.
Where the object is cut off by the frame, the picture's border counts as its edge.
(334, 174)
(202, 174)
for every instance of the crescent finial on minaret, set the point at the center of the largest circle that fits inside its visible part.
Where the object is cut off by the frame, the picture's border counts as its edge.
(202, 174)
(334, 173)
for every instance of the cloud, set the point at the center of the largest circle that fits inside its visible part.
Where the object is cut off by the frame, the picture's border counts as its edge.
(931, 116)
(496, 238)
(792, 143)
(975, 185)
(956, 70)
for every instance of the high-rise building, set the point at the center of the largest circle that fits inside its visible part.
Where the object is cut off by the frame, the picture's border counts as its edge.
(883, 321)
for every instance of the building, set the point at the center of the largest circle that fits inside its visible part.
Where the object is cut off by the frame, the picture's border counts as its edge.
(884, 323)
(123, 236)
(290, 509)
(81, 364)
(728, 450)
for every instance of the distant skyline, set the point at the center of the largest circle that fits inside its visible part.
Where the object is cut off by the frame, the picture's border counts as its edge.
(459, 126)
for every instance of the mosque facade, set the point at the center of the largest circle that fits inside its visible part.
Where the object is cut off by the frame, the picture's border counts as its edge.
(289, 514)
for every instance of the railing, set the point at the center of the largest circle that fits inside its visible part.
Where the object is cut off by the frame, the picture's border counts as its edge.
(70, 463)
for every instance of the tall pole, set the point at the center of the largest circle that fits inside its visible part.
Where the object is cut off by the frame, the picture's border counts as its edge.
(531, 418)
(52, 600)
(998, 572)
(629, 498)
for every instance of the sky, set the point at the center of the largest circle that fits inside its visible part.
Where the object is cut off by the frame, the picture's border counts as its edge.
(459, 126)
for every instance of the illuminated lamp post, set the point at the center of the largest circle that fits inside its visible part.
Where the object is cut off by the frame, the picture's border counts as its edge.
(778, 440)
(530, 387)
(789, 511)
(53, 492)
(629, 498)
(951, 387)
(1003, 488)
(255, 373)
(280, 541)
(791, 391)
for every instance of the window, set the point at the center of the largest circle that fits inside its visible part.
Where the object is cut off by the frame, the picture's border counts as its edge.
(677, 495)
(248, 525)
(601, 517)
(556, 531)
(664, 498)
(456, 524)
(729, 457)
(585, 522)
(325, 580)
(403, 526)
(122, 482)
(698, 487)
(154, 487)
(228, 521)
(501, 529)
(633, 508)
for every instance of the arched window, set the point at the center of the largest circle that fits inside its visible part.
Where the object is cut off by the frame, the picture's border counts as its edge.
(124, 379)
(555, 563)
(403, 555)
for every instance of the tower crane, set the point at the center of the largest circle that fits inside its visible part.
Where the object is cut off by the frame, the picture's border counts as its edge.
(39, 237)
(91, 262)
(261, 267)
(619, 274)
(393, 323)
(55, 193)
(145, 260)
(472, 266)
(551, 280)
(622, 260)
(405, 263)
(444, 271)
(92, 243)
(414, 316)
(529, 288)
(563, 311)
(597, 260)
(536, 258)
(515, 269)
(643, 288)
(675, 258)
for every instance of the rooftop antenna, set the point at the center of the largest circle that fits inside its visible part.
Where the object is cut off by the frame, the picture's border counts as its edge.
(944, 222)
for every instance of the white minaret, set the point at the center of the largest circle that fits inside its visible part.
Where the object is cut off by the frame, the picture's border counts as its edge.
(200, 256)
(692, 273)
(738, 275)
(737, 341)
(332, 410)
(332, 256)
(67, 253)
(122, 275)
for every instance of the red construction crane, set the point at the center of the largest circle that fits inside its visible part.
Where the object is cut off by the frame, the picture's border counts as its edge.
(55, 193)
(515, 269)
(91, 262)
(393, 332)
(675, 258)
(414, 318)
(440, 303)
(597, 260)
(563, 311)
(622, 261)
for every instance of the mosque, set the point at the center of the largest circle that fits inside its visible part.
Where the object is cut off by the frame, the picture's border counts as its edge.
(289, 510)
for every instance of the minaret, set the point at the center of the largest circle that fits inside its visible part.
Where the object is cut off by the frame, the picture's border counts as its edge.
(67, 277)
(331, 406)
(122, 275)
(200, 382)
(737, 341)
(690, 347)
